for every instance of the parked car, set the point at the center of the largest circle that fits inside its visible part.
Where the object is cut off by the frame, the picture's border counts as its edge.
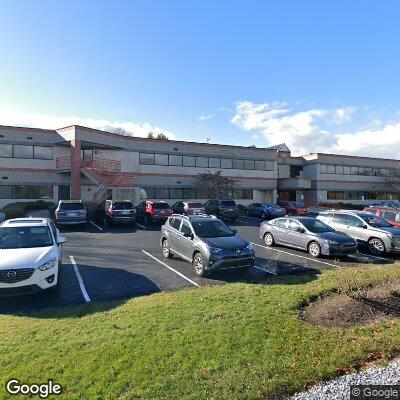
(389, 214)
(31, 255)
(188, 207)
(223, 209)
(294, 208)
(206, 242)
(71, 212)
(366, 228)
(306, 233)
(153, 211)
(119, 211)
(265, 210)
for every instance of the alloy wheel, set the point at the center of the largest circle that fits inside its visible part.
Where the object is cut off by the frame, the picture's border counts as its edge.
(376, 246)
(314, 249)
(269, 239)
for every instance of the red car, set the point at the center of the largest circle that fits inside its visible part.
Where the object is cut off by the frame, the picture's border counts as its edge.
(294, 208)
(153, 211)
(391, 215)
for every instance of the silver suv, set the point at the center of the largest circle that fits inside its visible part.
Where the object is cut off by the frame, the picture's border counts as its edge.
(366, 228)
(206, 242)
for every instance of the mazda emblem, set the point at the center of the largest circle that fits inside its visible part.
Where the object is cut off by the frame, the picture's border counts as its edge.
(11, 274)
(238, 252)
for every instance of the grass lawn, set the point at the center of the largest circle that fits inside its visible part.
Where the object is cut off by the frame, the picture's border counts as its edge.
(238, 341)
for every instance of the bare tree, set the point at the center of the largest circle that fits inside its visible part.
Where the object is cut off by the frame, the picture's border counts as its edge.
(215, 184)
(119, 131)
(159, 136)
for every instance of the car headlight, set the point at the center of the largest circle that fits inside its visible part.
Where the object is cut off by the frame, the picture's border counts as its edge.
(48, 265)
(215, 250)
(390, 236)
(249, 247)
(331, 241)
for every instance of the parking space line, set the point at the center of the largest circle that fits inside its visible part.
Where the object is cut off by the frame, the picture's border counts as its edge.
(95, 225)
(80, 280)
(142, 226)
(264, 270)
(296, 255)
(170, 268)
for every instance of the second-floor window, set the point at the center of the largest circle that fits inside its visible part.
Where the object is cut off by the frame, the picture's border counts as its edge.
(26, 151)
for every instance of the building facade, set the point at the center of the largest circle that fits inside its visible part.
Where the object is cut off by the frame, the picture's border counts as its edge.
(82, 163)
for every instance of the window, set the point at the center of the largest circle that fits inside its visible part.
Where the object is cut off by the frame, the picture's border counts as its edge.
(259, 165)
(145, 158)
(293, 225)
(248, 164)
(185, 229)
(176, 193)
(322, 168)
(330, 169)
(161, 193)
(214, 163)
(339, 169)
(333, 195)
(24, 192)
(43, 152)
(354, 221)
(202, 194)
(189, 161)
(161, 159)
(346, 170)
(281, 223)
(44, 192)
(6, 192)
(354, 170)
(146, 193)
(269, 165)
(175, 223)
(226, 163)
(340, 219)
(23, 151)
(237, 164)
(175, 160)
(202, 162)
(389, 216)
(189, 194)
(6, 150)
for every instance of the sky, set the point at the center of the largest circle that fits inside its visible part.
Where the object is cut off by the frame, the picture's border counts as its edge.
(318, 75)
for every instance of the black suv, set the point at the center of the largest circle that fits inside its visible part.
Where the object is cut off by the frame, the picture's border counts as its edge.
(223, 209)
(119, 211)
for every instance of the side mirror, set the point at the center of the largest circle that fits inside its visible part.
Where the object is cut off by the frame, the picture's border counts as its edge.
(188, 235)
(365, 227)
(234, 231)
(301, 230)
(61, 239)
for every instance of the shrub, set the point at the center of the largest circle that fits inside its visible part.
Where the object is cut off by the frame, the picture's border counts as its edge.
(14, 210)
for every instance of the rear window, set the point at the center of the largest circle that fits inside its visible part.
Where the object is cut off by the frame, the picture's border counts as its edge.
(72, 206)
(195, 205)
(122, 205)
(228, 203)
(161, 206)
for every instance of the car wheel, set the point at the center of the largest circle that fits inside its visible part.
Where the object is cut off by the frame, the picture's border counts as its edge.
(198, 264)
(269, 239)
(166, 249)
(314, 249)
(263, 215)
(147, 219)
(376, 246)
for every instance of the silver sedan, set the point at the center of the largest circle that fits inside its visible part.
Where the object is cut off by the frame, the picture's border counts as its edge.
(306, 233)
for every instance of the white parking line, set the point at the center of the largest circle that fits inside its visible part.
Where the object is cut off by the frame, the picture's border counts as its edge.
(296, 255)
(264, 270)
(80, 280)
(95, 225)
(170, 268)
(142, 226)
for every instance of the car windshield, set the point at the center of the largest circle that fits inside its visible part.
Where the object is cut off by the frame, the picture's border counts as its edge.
(316, 226)
(123, 205)
(71, 206)
(161, 206)
(375, 221)
(195, 205)
(228, 204)
(211, 229)
(25, 237)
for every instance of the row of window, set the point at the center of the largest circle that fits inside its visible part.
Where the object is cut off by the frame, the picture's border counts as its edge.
(26, 151)
(353, 170)
(347, 195)
(189, 193)
(204, 162)
(26, 192)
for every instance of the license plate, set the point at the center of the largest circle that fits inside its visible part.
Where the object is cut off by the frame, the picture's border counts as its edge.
(72, 214)
(125, 212)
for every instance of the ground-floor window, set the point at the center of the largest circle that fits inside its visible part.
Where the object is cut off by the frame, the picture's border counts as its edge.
(190, 193)
(26, 192)
(352, 195)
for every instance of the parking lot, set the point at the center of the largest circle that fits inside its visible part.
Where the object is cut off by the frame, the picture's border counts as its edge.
(121, 262)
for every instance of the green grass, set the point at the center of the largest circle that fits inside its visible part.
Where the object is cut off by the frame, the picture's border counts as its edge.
(238, 341)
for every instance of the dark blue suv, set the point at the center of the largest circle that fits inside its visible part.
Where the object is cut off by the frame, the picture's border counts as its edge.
(265, 211)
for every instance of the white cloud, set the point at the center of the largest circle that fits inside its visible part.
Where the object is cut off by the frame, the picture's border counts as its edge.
(205, 117)
(14, 118)
(305, 131)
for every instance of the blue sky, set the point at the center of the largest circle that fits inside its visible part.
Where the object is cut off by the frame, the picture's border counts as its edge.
(322, 76)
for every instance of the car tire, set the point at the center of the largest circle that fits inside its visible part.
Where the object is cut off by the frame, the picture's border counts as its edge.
(269, 239)
(198, 264)
(376, 246)
(314, 249)
(166, 249)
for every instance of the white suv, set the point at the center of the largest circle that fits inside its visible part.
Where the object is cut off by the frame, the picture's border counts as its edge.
(30, 250)
(366, 228)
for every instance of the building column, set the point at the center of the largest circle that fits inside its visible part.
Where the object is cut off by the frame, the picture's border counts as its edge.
(76, 169)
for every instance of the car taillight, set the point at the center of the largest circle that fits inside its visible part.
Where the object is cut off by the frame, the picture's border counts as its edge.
(60, 213)
(82, 212)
